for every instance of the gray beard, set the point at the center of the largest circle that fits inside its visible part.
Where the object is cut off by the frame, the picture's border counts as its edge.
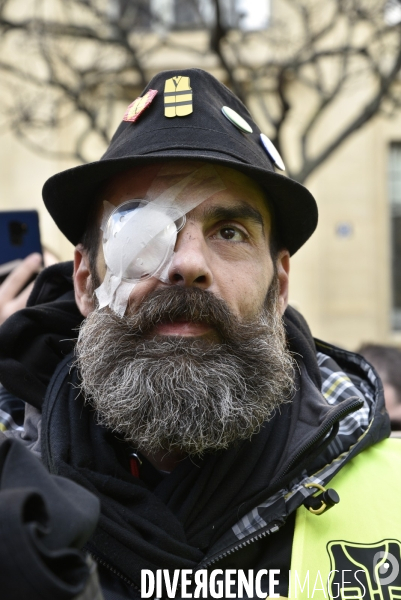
(180, 393)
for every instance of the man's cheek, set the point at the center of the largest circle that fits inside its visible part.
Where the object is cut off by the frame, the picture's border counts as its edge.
(245, 301)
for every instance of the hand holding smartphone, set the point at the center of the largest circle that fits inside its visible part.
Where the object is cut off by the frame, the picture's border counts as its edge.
(20, 258)
(19, 237)
(11, 296)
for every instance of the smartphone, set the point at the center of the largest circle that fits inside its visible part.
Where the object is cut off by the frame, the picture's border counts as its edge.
(19, 236)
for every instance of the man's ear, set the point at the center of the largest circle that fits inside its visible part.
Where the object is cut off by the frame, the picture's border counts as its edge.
(83, 281)
(283, 271)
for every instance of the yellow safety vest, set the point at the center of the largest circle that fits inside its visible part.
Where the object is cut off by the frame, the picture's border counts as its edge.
(177, 97)
(354, 549)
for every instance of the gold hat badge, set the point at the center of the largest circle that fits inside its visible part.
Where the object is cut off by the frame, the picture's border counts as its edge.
(177, 97)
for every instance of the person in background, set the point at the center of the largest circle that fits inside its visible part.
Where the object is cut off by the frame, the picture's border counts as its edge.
(11, 300)
(387, 362)
(14, 294)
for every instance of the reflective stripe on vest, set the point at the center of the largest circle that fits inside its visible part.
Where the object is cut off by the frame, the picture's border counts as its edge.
(354, 549)
(177, 97)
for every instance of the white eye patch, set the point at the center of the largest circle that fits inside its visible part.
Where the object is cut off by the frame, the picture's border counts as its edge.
(139, 236)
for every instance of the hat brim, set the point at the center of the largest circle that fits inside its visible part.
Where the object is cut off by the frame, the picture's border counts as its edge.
(69, 195)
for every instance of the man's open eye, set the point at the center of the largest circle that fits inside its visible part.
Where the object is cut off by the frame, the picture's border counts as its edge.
(230, 233)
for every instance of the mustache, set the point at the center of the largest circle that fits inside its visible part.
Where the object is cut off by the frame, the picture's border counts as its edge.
(182, 304)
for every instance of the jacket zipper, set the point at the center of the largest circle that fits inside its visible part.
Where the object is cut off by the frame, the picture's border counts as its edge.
(275, 527)
(272, 529)
(231, 550)
(103, 563)
(338, 417)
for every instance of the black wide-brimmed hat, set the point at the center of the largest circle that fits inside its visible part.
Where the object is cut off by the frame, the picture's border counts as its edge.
(184, 120)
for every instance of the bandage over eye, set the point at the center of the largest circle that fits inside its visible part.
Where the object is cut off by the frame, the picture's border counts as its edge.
(139, 236)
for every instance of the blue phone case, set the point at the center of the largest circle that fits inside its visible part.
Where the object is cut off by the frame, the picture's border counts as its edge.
(19, 234)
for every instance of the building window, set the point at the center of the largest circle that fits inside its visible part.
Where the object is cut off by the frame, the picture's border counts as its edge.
(392, 12)
(247, 15)
(187, 13)
(137, 13)
(252, 15)
(395, 215)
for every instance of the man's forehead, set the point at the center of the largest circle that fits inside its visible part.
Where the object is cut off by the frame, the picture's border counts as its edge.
(135, 183)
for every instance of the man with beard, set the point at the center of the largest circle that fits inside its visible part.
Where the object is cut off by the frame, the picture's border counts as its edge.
(196, 363)
(195, 405)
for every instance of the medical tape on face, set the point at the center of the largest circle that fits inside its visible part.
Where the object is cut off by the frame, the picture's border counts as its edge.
(139, 236)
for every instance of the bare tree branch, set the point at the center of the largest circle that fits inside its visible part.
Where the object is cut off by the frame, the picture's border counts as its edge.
(366, 114)
(218, 35)
(72, 67)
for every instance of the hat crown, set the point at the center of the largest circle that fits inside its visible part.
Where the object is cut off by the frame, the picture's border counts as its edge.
(184, 120)
(205, 129)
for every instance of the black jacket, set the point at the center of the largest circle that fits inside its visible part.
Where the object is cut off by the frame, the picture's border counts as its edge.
(346, 418)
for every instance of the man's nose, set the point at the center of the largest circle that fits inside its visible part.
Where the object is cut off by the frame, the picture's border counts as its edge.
(190, 265)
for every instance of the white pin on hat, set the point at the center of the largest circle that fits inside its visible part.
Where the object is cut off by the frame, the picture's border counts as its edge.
(272, 152)
(236, 119)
